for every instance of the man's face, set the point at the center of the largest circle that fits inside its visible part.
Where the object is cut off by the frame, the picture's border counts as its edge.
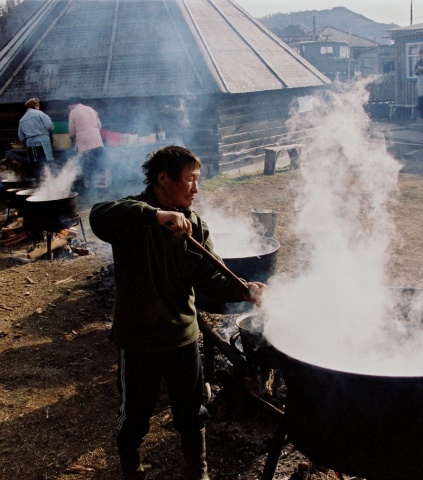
(181, 193)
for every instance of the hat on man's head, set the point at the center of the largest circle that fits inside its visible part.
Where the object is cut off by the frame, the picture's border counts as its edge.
(32, 102)
(74, 100)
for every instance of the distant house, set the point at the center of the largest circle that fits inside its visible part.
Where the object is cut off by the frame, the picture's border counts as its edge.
(379, 60)
(333, 51)
(330, 57)
(408, 41)
(357, 43)
(213, 76)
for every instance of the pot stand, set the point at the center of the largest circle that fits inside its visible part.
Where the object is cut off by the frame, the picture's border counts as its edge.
(212, 339)
(75, 221)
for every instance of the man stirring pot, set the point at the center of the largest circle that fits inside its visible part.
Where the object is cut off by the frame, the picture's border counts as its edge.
(155, 325)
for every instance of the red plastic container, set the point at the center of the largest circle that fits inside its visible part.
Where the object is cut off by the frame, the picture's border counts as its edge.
(113, 139)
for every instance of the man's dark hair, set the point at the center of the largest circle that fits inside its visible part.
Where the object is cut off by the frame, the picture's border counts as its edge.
(74, 100)
(172, 160)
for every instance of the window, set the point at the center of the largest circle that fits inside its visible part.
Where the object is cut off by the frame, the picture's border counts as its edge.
(412, 53)
(326, 50)
(343, 52)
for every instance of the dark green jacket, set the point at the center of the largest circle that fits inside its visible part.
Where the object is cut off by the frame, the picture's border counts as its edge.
(155, 274)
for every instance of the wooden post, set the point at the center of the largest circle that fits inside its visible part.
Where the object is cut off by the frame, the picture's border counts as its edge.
(270, 161)
(294, 155)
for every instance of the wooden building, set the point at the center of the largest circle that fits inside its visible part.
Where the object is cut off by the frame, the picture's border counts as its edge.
(408, 41)
(211, 75)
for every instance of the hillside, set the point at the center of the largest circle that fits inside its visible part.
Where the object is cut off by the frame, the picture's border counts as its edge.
(338, 17)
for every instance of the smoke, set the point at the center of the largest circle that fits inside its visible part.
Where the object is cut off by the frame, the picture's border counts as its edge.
(9, 176)
(339, 311)
(57, 184)
(233, 236)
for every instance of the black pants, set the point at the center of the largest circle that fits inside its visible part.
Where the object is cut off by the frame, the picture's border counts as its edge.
(92, 162)
(37, 160)
(139, 379)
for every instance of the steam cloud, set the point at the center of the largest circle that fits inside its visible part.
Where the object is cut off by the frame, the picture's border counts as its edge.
(233, 237)
(339, 311)
(58, 184)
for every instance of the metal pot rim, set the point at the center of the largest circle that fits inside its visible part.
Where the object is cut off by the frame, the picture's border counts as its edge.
(321, 368)
(41, 198)
(270, 242)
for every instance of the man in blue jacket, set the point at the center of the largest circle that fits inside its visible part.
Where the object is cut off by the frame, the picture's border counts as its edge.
(155, 325)
(35, 132)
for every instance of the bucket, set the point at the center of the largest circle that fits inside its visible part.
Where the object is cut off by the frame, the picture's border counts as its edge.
(62, 141)
(265, 219)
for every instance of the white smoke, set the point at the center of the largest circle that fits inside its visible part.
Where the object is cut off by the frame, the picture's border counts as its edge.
(340, 312)
(58, 184)
(9, 176)
(233, 236)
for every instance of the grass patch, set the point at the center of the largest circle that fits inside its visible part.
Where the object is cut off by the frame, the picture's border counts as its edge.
(221, 181)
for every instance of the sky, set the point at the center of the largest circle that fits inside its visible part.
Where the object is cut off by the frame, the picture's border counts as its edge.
(382, 11)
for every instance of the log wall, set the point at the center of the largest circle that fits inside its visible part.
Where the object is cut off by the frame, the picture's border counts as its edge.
(249, 123)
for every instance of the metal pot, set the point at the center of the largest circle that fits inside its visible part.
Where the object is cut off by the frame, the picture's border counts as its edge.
(19, 184)
(10, 197)
(20, 200)
(258, 352)
(52, 215)
(365, 425)
(259, 267)
(370, 426)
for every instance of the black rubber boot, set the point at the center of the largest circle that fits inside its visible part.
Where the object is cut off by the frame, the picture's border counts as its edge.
(194, 448)
(132, 468)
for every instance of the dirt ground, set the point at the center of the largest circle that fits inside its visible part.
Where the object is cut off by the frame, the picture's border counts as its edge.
(57, 381)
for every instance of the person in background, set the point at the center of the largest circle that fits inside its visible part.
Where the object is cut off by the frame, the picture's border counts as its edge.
(155, 325)
(418, 70)
(84, 129)
(35, 132)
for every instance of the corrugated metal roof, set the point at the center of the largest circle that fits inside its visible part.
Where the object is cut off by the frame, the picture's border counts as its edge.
(404, 30)
(121, 48)
(336, 35)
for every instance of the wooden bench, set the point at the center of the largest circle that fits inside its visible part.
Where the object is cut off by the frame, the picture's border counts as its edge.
(395, 107)
(272, 154)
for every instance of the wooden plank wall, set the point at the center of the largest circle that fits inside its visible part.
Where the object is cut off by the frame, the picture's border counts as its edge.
(248, 123)
(226, 131)
(405, 90)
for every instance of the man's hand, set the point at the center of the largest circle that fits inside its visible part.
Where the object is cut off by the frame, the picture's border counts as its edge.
(256, 292)
(176, 222)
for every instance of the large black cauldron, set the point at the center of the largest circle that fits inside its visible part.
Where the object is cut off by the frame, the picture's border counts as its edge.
(52, 215)
(365, 425)
(15, 184)
(258, 267)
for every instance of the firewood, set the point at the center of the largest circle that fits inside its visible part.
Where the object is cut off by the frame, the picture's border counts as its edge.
(15, 224)
(80, 251)
(42, 250)
(14, 239)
